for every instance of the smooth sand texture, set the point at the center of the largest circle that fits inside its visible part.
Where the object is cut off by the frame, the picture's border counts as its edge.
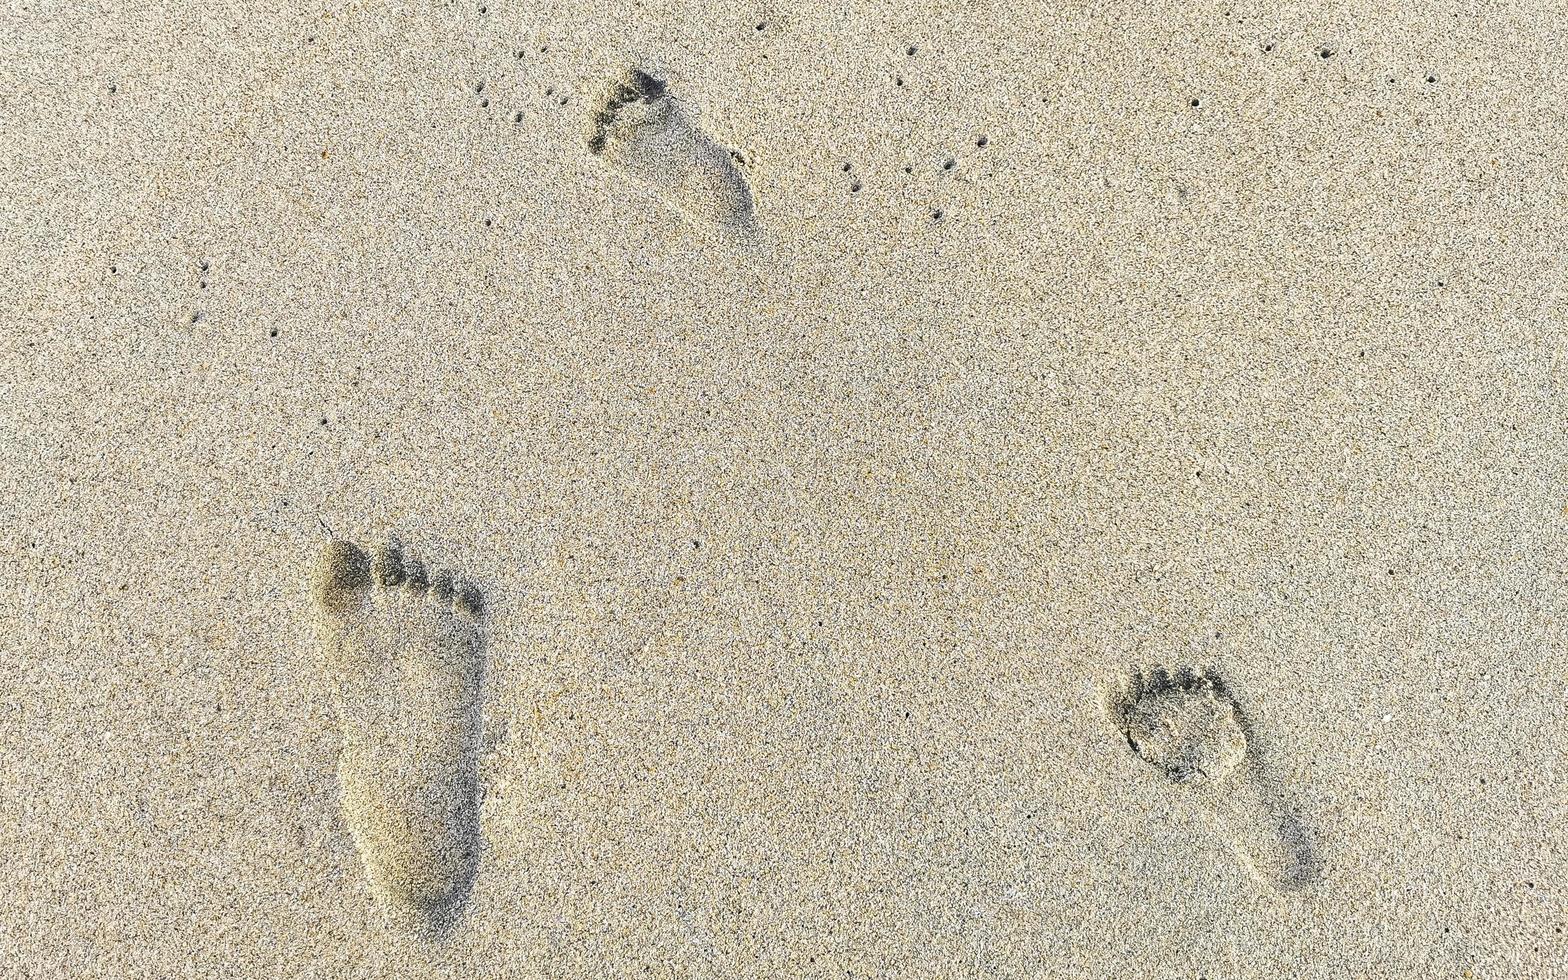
(1071, 342)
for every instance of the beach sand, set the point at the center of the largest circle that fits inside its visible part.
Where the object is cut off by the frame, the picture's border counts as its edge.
(854, 422)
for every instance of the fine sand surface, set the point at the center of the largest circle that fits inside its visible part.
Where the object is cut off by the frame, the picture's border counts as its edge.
(732, 490)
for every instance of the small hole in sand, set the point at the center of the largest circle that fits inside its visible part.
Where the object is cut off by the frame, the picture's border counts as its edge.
(549, 90)
(1325, 53)
(949, 164)
(1268, 47)
(518, 117)
(1431, 79)
(908, 169)
(487, 222)
(113, 88)
(519, 55)
(845, 168)
(479, 87)
(936, 215)
(1195, 103)
(113, 270)
(762, 26)
(855, 187)
(899, 81)
(983, 142)
(203, 265)
(273, 332)
(910, 50)
(484, 103)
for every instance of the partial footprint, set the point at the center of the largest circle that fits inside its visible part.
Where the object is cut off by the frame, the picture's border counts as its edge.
(1187, 727)
(641, 129)
(405, 650)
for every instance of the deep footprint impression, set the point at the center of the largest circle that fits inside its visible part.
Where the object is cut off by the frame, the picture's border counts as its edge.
(645, 132)
(405, 650)
(1187, 726)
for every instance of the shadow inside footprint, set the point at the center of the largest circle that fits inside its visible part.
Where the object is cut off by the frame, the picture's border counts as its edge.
(1302, 868)
(405, 650)
(641, 129)
(1187, 726)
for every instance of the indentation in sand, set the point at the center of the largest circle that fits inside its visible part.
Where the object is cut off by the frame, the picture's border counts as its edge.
(405, 650)
(1186, 726)
(1183, 725)
(642, 130)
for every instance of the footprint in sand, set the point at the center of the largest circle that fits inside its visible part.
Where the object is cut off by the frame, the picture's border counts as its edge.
(645, 132)
(405, 650)
(1188, 728)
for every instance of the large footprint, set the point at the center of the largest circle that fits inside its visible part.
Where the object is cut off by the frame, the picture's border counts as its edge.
(642, 130)
(1186, 725)
(405, 650)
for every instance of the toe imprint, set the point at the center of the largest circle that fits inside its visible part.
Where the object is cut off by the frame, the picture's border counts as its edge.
(387, 566)
(418, 580)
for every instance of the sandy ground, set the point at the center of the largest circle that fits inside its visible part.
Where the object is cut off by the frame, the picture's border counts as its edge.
(1231, 337)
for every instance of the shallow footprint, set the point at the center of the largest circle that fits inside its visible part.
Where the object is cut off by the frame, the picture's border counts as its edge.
(641, 129)
(1187, 727)
(405, 650)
